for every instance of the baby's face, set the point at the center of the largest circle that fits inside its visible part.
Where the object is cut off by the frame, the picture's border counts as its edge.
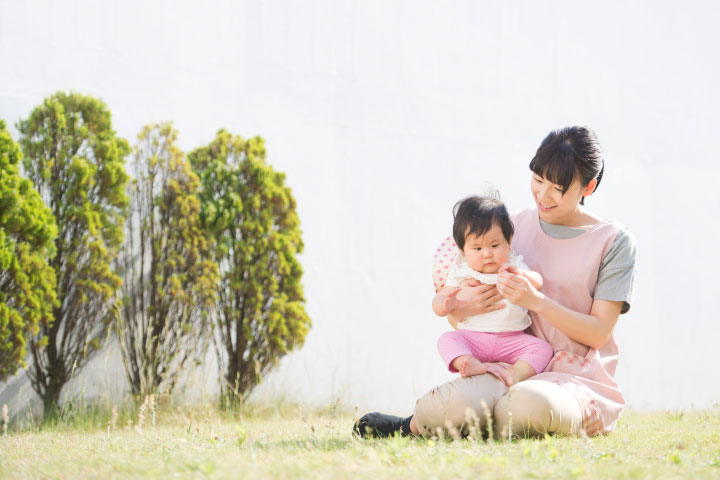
(488, 252)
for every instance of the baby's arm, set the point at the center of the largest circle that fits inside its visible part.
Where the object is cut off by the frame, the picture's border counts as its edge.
(445, 301)
(534, 278)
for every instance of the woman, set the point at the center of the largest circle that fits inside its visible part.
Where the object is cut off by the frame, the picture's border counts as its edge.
(588, 267)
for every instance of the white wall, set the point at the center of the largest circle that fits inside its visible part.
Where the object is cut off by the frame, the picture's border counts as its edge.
(383, 114)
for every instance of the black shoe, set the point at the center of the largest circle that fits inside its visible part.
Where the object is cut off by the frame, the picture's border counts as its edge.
(379, 425)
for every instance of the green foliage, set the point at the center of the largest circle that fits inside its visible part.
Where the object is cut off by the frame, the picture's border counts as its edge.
(250, 212)
(27, 283)
(169, 282)
(76, 163)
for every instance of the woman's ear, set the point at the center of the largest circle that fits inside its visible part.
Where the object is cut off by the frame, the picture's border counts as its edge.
(590, 188)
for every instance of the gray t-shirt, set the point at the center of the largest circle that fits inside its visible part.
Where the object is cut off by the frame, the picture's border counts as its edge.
(616, 279)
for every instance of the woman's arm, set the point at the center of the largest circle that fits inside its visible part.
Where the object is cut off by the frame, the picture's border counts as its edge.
(593, 330)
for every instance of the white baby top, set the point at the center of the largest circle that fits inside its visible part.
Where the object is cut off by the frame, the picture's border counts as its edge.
(509, 319)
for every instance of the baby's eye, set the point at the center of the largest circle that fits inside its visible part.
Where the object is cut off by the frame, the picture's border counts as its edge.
(496, 245)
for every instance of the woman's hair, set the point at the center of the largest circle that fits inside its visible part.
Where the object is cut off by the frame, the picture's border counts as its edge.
(477, 215)
(567, 153)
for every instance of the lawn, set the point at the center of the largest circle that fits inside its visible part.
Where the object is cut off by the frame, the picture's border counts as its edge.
(288, 442)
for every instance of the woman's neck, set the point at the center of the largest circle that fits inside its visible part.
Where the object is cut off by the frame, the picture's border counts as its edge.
(578, 219)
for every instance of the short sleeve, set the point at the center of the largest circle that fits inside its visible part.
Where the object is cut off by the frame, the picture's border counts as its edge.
(444, 258)
(517, 261)
(616, 279)
(450, 282)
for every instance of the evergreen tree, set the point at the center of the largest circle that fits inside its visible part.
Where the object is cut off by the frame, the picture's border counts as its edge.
(75, 161)
(260, 314)
(168, 281)
(27, 283)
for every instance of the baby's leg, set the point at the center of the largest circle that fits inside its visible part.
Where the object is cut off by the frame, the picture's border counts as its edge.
(521, 370)
(528, 354)
(456, 348)
(468, 366)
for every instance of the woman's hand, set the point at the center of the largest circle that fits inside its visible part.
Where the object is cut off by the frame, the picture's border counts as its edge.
(482, 299)
(518, 290)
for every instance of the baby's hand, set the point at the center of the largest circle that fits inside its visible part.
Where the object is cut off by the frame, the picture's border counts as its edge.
(469, 282)
(510, 269)
(446, 301)
(533, 277)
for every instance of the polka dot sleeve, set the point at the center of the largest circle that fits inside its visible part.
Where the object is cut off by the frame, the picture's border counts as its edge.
(445, 256)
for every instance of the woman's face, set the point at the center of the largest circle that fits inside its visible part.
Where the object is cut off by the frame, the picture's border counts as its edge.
(553, 206)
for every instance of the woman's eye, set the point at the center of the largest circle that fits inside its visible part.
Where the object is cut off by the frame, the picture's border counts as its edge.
(559, 189)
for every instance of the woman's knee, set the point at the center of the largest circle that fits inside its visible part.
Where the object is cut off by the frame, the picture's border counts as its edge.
(536, 408)
(458, 406)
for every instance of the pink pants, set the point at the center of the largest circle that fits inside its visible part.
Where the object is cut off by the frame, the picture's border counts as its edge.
(506, 347)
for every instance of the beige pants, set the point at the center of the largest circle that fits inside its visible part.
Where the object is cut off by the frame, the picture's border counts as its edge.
(529, 408)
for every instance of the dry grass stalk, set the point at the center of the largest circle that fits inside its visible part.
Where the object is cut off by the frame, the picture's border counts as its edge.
(114, 417)
(141, 413)
(153, 410)
(488, 420)
(510, 425)
(473, 421)
(5, 418)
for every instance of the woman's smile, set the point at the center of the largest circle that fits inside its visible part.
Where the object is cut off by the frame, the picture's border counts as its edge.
(544, 207)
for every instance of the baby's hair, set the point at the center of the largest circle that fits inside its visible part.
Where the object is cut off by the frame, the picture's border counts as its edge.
(477, 215)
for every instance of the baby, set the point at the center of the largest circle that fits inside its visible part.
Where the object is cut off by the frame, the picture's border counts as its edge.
(483, 231)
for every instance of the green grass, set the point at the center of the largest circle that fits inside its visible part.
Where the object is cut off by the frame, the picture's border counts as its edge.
(283, 441)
